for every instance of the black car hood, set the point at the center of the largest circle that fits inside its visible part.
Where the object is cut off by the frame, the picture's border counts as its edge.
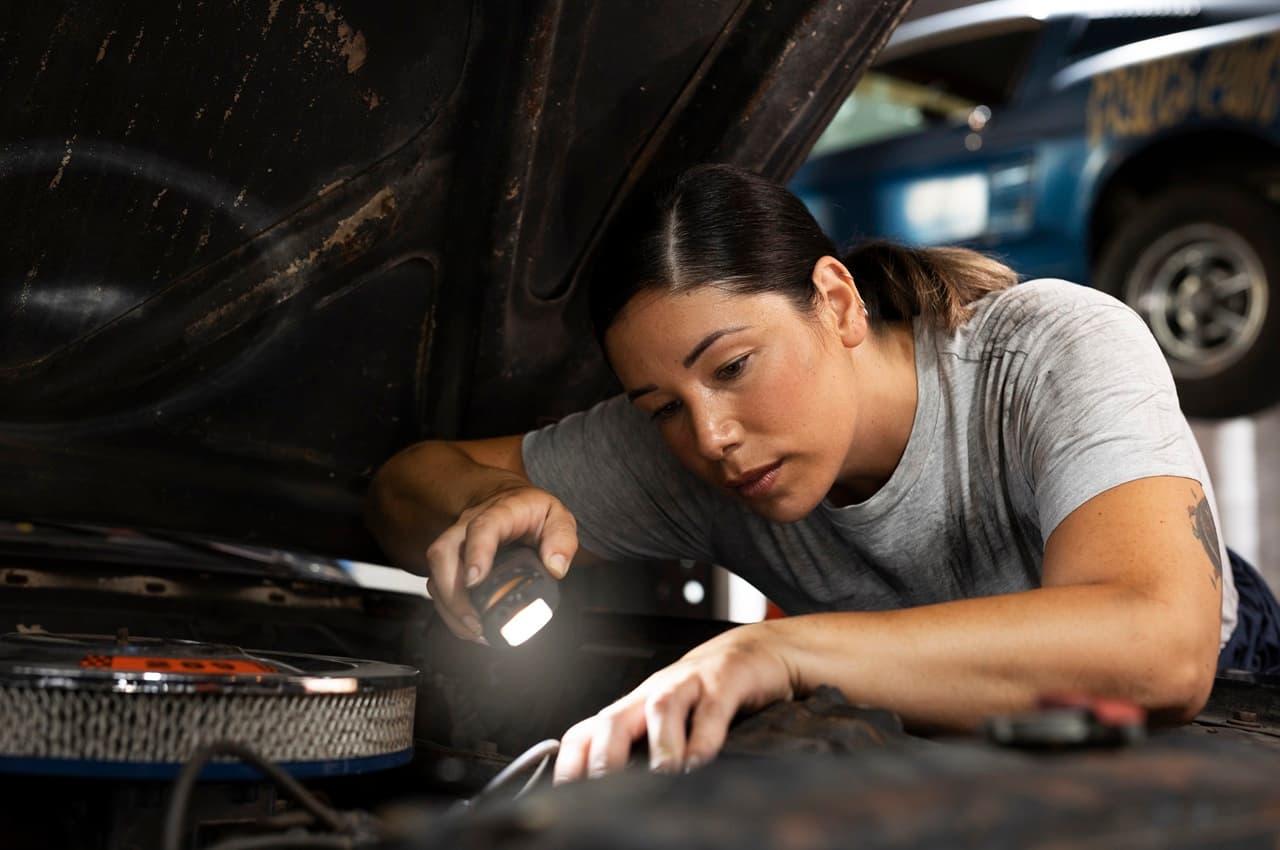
(250, 250)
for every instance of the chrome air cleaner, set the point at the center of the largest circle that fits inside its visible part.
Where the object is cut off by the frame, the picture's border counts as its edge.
(94, 705)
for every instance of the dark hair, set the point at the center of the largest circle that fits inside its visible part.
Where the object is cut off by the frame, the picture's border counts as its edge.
(723, 226)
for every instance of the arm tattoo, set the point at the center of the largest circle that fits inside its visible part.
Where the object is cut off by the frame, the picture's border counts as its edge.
(1207, 533)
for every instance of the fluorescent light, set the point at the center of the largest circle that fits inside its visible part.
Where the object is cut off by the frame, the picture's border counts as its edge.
(526, 622)
(947, 209)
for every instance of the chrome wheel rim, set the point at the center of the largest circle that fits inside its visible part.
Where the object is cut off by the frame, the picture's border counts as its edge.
(1202, 289)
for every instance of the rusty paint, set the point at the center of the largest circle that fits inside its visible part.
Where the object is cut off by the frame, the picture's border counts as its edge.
(133, 118)
(182, 220)
(58, 29)
(26, 284)
(137, 42)
(353, 47)
(272, 11)
(351, 43)
(102, 50)
(66, 160)
(160, 197)
(350, 234)
(371, 98)
(376, 208)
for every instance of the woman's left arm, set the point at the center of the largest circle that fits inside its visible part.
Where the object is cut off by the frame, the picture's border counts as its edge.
(1129, 607)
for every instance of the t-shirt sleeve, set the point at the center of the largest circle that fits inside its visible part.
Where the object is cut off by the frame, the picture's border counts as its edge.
(629, 494)
(1101, 410)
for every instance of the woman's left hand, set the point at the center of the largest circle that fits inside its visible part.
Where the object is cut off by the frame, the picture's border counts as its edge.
(744, 668)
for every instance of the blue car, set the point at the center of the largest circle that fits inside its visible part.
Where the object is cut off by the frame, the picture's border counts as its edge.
(1134, 147)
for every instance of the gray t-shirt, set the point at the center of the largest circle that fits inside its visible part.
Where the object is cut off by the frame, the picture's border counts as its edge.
(1051, 394)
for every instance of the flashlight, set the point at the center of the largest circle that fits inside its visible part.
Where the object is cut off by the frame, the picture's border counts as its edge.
(516, 599)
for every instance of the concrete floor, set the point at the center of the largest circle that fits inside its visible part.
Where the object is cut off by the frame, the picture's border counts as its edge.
(1243, 456)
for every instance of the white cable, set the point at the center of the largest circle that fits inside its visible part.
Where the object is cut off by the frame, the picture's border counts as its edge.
(535, 758)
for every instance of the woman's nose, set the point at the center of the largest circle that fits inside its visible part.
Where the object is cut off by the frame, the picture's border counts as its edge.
(716, 432)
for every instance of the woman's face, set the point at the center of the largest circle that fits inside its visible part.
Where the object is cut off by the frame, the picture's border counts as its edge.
(749, 393)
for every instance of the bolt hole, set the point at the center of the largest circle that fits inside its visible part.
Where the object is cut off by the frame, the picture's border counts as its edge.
(276, 596)
(15, 578)
(155, 587)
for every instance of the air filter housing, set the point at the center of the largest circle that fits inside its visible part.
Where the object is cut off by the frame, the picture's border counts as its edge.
(138, 707)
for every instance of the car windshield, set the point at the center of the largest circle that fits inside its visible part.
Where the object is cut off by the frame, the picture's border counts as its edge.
(936, 87)
(884, 106)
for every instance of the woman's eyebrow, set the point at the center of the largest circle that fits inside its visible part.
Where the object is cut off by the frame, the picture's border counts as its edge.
(702, 346)
(632, 395)
(707, 341)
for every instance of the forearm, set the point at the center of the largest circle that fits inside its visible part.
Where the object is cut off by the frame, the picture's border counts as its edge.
(952, 664)
(421, 491)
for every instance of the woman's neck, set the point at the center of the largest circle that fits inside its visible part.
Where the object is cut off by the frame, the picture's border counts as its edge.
(884, 370)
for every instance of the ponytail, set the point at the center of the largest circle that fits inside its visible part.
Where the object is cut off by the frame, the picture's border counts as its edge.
(897, 282)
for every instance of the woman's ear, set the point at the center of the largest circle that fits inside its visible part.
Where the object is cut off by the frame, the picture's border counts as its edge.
(840, 306)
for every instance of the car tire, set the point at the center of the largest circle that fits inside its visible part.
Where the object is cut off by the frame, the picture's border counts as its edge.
(1200, 264)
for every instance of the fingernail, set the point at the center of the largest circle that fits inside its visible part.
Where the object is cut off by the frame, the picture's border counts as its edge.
(693, 763)
(558, 565)
(473, 576)
(473, 624)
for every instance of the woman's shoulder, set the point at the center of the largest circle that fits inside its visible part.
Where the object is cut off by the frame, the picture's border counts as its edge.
(1045, 297)
(1034, 313)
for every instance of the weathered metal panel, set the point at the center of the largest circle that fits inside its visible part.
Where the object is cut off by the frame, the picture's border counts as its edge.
(249, 250)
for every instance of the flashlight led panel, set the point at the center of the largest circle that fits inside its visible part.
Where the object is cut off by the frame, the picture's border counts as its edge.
(526, 622)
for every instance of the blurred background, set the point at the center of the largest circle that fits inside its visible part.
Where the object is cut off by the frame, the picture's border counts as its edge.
(1133, 147)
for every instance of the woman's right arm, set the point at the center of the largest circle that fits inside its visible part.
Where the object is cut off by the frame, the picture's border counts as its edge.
(442, 509)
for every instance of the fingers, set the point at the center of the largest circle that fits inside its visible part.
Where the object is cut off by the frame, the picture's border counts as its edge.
(455, 624)
(488, 530)
(446, 586)
(462, 556)
(559, 541)
(667, 715)
(709, 728)
(600, 744)
(571, 761)
(701, 693)
(611, 743)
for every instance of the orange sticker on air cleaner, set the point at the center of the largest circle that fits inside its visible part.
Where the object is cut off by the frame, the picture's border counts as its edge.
(190, 666)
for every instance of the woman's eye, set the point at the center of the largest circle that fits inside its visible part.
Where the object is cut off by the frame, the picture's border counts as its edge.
(732, 369)
(666, 411)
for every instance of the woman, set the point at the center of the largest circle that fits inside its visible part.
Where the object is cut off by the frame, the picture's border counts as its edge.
(971, 493)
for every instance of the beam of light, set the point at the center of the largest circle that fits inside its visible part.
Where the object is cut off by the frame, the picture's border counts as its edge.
(526, 622)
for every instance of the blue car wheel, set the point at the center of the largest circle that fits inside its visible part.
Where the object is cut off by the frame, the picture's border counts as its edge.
(1200, 263)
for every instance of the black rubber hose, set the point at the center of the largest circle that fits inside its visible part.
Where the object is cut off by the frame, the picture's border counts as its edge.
(175, 819)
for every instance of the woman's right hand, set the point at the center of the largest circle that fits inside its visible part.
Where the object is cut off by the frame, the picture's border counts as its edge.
(460, 558)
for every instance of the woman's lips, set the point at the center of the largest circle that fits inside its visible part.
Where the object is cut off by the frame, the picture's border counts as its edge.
(760, 483)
